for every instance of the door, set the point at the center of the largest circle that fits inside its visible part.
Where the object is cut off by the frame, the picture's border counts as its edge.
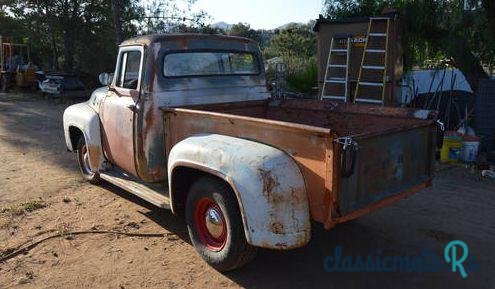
(118, 110)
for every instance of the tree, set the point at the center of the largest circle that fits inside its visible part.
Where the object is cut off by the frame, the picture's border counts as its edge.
(296, 46)
(245, 30)
(436, 29)
(168, 16)
(184, 28)
(69, 32)
(295, 40)
(58, 23)
(35, 13)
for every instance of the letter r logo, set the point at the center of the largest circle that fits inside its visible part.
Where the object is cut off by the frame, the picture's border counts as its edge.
(450, 254)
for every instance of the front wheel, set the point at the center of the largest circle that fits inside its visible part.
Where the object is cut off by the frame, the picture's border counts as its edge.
(83, 160)
(215, 225)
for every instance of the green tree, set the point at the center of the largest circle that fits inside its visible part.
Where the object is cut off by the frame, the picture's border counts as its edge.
(245, 30)
(295, 45)
(295, 40)
(75, 28)
(81, 35)
(169, 16)
(204, 29)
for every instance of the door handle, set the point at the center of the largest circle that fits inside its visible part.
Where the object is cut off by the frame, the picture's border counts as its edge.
(132, 107)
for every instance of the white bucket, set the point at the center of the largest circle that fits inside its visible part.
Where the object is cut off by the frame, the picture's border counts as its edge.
(469, 151)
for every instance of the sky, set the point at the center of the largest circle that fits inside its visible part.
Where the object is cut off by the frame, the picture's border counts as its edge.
(261, 14)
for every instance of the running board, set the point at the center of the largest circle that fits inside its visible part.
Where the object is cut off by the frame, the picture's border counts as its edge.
(155, 195)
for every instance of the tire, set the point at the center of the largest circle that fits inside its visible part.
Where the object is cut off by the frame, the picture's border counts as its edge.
(83, 160)
(222, 245)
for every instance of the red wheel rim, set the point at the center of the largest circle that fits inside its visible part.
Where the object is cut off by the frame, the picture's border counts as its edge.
(210, 224)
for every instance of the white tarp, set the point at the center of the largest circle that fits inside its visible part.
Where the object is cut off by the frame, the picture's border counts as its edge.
(419, 82)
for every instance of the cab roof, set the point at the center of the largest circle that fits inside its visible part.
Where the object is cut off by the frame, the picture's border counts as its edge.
(153, 38)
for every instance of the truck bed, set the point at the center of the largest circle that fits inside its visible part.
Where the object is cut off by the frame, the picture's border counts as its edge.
(394, 155)
(343, 119)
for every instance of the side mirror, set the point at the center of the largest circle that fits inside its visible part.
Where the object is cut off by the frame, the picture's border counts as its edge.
(105, 78)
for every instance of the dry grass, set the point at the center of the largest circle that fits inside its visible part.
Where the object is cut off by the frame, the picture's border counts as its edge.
(21, 209)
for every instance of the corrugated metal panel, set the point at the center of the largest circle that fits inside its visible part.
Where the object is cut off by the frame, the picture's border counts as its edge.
(485, 113)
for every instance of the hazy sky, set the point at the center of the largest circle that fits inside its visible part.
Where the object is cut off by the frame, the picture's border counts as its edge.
(261, 14)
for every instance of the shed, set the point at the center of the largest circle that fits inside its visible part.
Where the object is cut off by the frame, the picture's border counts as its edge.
(357, 29)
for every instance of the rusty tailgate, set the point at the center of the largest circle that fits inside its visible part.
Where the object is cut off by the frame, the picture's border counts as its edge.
(386, 165)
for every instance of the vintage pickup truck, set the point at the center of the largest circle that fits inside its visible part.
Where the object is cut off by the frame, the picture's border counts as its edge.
(187, 123)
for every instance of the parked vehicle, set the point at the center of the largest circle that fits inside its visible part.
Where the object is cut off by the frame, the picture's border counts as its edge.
(188, 125)
(58, 83)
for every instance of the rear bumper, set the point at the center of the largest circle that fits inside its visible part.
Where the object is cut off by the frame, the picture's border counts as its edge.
(377, 205)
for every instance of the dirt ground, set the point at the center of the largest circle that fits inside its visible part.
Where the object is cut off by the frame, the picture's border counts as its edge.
(41, 194)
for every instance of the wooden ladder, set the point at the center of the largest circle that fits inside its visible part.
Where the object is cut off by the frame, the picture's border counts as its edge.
(380, 67)
(332, 68)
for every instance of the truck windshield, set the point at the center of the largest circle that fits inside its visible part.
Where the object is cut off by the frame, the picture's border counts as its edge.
(209, 63)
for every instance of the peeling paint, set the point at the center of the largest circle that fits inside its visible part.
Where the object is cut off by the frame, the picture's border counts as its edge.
(268, 206)
(83, 117)
(277, 228)
(269, 182)
(306, 130)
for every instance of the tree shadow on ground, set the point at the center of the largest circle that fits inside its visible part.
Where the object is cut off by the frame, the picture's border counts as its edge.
(35, 123)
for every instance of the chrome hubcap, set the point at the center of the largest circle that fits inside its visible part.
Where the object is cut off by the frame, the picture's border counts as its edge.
(214, 222)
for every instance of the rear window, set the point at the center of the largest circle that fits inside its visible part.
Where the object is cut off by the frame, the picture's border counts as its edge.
(209, 63)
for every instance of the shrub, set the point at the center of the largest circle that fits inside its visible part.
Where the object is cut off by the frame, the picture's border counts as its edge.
(302, 75)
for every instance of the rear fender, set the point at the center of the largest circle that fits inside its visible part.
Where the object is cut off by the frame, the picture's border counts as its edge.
(268, 185)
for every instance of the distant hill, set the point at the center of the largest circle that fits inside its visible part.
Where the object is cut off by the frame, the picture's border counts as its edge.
(221, 25)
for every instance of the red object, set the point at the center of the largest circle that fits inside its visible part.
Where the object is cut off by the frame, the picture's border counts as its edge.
(471, 138)
(204, 206)
(452, 133)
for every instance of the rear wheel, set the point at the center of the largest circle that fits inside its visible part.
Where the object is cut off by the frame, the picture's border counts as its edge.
(215, 225)
(84, 164)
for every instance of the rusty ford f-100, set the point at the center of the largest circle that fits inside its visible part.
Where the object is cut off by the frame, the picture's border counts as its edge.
(187, 124)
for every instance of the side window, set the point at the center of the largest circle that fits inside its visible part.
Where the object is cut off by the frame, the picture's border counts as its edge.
(130, 63)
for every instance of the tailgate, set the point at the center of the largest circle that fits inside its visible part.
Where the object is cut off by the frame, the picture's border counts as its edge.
(386, 165)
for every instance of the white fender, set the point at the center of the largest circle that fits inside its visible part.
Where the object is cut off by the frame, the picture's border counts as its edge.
(266, 181)
(83, 117)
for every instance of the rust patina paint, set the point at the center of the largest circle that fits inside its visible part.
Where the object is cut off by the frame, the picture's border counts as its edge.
(302, 130)
(157, 91)
(283, 158)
